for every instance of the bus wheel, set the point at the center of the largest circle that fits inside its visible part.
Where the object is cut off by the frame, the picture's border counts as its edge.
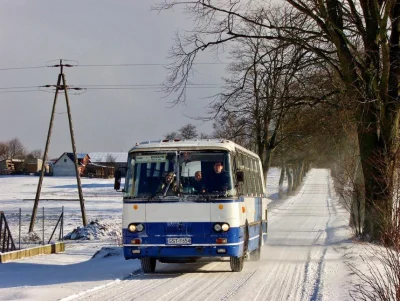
(237, 263)
(148, 264)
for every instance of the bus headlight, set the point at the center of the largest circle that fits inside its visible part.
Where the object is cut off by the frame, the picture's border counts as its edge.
(139, 227)
(136, 227)
(225, 227)
(132, 228)
(221, 227)
(217, 227)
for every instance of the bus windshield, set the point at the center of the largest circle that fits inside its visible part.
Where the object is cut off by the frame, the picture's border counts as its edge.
(179, 174)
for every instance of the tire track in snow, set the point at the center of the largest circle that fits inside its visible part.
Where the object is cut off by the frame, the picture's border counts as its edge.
(119, 290)
(132, 288)
(318, 282)
(184, 288)
(240, 283)
(271, 274)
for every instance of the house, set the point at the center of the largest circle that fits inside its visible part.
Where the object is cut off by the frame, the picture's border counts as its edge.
(35, 165)
(6, 165)
(65, 166)
(99, 171)
(12, 165)
(114, 159)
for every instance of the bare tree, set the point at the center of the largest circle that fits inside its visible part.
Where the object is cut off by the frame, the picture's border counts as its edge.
(359, 40)
(16, 149)
(188, 131)
(204, 136)
(35, 154)
(3, 150)
(171, 135)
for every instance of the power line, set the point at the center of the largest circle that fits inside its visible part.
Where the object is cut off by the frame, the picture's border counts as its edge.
(110, 65)
(144, 88)
(21, 68)
(103, 87)
(19, 91)
(146, 64)
(145, 85)
(13, 88)
(111, 88)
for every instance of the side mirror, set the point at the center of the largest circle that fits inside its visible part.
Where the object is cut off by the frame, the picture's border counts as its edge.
(117, 181)
(239, 176)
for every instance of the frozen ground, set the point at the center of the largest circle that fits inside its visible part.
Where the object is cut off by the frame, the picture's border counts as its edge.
(306, 256)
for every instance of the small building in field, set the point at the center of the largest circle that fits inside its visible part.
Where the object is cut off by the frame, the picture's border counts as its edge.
(65, 166)
(99, 171)
(116, 160)
(12, 166)
(6, 165)
(34, 166)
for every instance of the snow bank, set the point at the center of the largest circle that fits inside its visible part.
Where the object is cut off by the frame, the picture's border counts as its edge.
(95, 231)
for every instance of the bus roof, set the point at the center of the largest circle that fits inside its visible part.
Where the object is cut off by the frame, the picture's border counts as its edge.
(191, 144)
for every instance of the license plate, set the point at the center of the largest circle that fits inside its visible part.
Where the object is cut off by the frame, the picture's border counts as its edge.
(179, 241)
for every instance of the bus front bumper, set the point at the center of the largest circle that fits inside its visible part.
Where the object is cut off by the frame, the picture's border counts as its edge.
(132, 252)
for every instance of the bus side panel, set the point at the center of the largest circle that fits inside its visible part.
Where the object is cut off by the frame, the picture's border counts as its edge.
(265, 219)
(256, 218)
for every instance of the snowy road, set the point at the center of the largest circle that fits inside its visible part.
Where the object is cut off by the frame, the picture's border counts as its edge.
(303, 260)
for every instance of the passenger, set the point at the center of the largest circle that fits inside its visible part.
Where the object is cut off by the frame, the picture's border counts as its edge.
(219, 179)
(169, 185)
(198, 183)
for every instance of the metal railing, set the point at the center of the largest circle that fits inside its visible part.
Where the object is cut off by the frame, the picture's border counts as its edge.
(61, 223)
(6, 240)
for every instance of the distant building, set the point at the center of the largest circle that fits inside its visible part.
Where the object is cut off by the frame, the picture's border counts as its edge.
(12, 166)
(112, 159)
(65, 166)
(35, 165)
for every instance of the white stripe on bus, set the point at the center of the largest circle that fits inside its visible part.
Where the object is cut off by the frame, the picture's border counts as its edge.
(192, 245)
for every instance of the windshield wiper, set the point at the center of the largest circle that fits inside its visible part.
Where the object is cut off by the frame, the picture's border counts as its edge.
(217, 194)
(154, 196)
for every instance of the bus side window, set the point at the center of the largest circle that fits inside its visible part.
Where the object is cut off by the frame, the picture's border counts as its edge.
(247, 176)
(257, 177)
(243, 165)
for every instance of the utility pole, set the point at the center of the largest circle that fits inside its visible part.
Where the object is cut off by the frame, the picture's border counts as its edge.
(59, 86)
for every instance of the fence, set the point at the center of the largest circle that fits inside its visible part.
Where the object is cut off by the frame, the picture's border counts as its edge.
(53, 223)
(46, 224)
(6, 240)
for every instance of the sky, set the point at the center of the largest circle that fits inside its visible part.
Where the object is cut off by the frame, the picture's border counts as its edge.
(95, 32)
(306, 257)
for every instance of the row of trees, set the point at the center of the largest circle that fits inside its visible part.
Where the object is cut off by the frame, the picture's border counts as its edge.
(310, 81)
(14, 149)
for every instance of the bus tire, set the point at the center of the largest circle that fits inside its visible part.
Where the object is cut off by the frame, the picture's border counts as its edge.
(237, 263)
(148, 264)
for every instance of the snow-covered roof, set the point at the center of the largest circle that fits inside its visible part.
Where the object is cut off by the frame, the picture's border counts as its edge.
(71, 156)
(101, 157)
(218, 144)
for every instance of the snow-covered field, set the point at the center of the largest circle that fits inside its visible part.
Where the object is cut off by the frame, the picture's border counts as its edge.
(306, 256)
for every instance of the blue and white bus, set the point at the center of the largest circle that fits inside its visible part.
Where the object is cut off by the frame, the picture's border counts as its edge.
(184, 200)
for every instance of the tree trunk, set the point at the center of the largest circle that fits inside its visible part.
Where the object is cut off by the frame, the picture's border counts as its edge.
(281, 179)
(290, 180)
(378, 148)
(266, 163)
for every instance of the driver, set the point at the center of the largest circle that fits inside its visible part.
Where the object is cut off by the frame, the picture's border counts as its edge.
(169, 186)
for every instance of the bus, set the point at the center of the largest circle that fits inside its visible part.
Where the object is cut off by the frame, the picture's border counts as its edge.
(188, 199)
